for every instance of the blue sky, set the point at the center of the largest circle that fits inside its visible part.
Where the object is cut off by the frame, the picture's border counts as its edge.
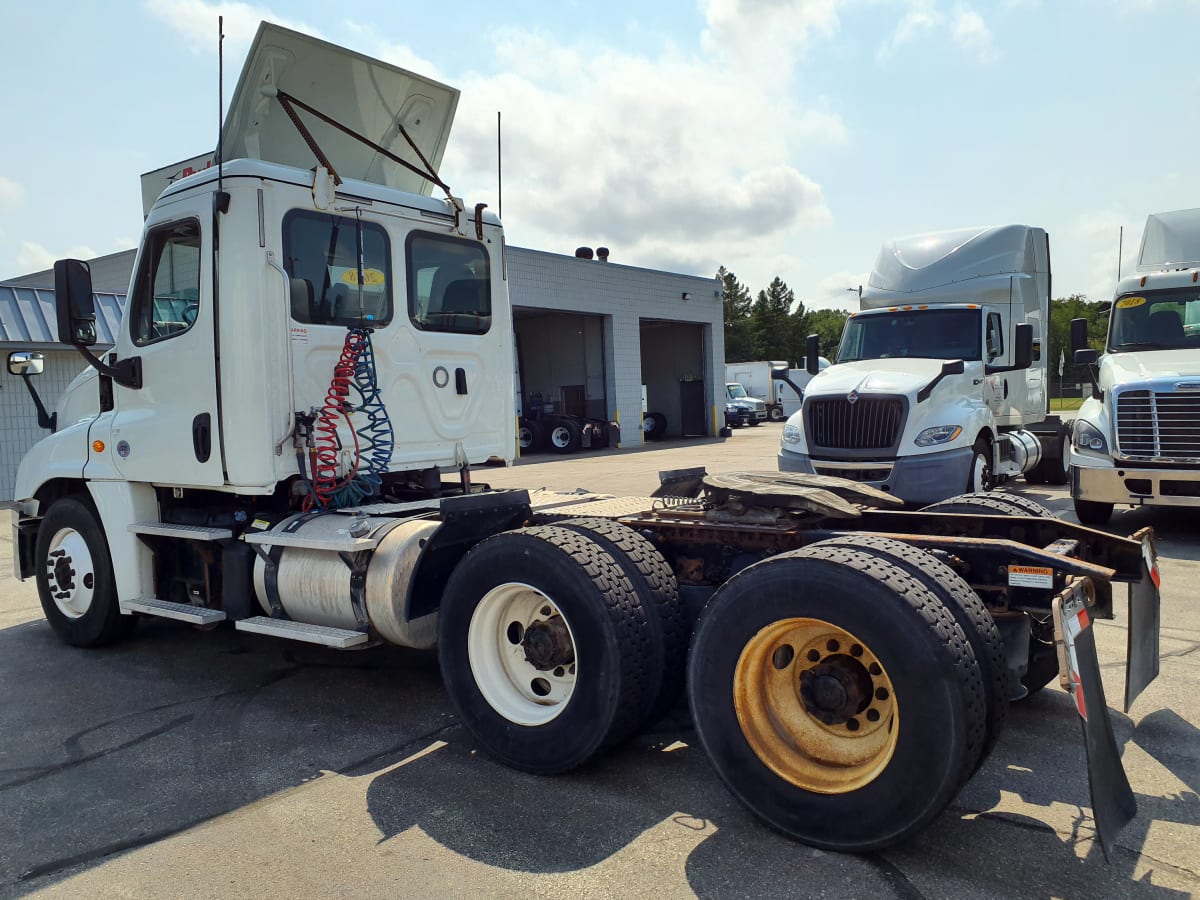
(775, 137)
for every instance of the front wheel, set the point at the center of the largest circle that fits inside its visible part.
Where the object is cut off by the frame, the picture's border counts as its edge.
(1091, 512)
(1058, 471)
(836, 697)
(980, 476)
(565, 436)
(75, 578)
(775, 414)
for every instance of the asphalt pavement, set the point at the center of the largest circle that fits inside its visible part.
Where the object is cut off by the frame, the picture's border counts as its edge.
(226, 764)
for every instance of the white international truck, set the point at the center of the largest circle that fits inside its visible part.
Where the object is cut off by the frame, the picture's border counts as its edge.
(940, 383)
(1137, 439)
(311, 342)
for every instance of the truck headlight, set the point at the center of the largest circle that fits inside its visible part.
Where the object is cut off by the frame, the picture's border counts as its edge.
(1088, 437)
(792, 434)
(938, 434)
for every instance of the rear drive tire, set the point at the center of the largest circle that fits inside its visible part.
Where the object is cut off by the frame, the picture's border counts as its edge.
(658, 592)
(993, 503)
(564, 436)
(775, 414)
(531, 436)
(968, 611)
(793, 649)
(655, 426)
(75, 578)
(546, 652)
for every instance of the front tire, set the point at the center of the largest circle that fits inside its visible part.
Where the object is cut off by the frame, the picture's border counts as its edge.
(546, 652)
(979, 478)
(775, 414)
(75, 578)
(1058, 471)
(1091, 512)
(564, 436)
(790, 652)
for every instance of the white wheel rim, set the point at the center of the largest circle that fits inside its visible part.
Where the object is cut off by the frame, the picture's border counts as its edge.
(526, 438)
(70, 573)
(1065, 458)
(978, 473)
(561, 436)
(512, 685)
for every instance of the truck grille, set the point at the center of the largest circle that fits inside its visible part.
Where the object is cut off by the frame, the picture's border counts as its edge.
(870, 423)
(1158, 424)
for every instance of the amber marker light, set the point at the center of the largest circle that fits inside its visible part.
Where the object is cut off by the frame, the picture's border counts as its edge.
(98, 446)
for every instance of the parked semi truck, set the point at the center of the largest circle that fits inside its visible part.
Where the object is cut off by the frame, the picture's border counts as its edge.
(1137, 439)
(282, 441)
(779, 388)
(940, 383)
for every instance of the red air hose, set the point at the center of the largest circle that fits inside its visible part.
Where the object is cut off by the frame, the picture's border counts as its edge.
(325, 466)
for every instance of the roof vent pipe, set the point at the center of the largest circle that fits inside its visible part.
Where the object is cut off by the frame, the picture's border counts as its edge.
(583, 252)
(602, 254)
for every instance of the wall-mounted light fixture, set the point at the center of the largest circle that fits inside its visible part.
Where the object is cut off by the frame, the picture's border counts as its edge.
(687, 296)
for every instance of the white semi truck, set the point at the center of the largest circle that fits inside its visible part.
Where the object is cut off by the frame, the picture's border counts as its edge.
(940, 382)
(1137, 439)
(779, 388)
(311, 341)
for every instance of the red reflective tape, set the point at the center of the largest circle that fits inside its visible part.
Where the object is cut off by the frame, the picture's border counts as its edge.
(1084, 621)
(1155, 577)
(1080, 704)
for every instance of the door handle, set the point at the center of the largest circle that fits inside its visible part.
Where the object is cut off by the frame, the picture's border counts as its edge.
(460, 381)
(202, 437)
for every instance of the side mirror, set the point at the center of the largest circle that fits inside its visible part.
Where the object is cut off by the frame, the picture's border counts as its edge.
(1079, 339)
(1088, 357)
(779, 373)
(73, 300)
(812, 363)
(953, 367)
(1023, 347)
(23, 363)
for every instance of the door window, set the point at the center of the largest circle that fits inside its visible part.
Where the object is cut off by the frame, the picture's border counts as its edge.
(995, 337)
(449, 284)
(340, 269)
(166, 293)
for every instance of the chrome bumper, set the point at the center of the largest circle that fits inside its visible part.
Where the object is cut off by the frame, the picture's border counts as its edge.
(1150, 487)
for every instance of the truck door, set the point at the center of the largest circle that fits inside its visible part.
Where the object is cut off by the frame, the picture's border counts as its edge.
(994, 388)
(168, 430)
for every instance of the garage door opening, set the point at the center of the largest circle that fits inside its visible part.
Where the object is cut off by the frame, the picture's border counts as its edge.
(673, 371)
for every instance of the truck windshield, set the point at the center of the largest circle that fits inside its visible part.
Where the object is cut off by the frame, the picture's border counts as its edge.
(1156, 320)
(735, 391)
(926, 333)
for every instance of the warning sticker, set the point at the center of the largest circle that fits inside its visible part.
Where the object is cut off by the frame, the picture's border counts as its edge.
(299, 334)
(1030, 576)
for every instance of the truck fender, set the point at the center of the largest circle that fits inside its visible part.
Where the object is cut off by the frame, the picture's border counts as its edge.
(119, 505)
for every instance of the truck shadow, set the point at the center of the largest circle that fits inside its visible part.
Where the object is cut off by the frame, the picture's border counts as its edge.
(107, 751)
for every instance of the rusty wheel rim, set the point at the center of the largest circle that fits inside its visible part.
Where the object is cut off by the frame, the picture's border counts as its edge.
(816, 705)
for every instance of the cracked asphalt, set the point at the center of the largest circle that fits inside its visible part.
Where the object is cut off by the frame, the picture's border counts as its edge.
(187, 763)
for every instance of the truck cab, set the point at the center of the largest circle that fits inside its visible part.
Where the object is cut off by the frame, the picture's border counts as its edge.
(937, 378)
(1137, 439)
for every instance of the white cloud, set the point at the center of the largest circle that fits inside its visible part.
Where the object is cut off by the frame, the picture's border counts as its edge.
(964, 26)
(11, 193)
(972, 34)
(196, 21)
(766, 34)
(33, 257)
(669, 160)
(838, 290)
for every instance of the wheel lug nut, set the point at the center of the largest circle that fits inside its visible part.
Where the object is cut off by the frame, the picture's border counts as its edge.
(814, 655)
(832, 646)
(852, 724)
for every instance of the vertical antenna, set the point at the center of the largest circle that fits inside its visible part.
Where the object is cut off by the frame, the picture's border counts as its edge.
(1120, 250)
(499, 171)
(220, 103)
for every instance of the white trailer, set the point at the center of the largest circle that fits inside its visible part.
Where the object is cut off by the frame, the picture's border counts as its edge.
(1137, 438)
(940, 384)
(266, 446)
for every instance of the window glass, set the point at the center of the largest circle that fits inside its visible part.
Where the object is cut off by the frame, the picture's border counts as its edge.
(449, 284)
(929, 334)
(995, 337)
(166, 294)
(1158, 320)
(340, 269)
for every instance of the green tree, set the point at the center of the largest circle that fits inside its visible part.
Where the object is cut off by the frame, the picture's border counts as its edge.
(739, 334)
(828, 324)
(776, 318)
(1062, 311)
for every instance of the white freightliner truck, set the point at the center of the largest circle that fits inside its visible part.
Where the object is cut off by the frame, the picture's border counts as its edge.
(310, 341)
(1137, 439)
(940, 383)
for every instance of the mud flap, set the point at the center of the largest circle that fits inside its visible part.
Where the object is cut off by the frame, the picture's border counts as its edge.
(1113, 803)
(1141, 666)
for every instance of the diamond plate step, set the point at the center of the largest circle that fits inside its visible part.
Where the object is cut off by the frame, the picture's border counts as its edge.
(340, 638)
(165, 609)
(191, 532)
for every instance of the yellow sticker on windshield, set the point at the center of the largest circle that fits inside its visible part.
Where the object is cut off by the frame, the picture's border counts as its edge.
(1129, 302)
(370, 276)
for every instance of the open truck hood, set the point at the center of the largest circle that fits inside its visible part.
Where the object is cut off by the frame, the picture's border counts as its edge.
(366, 95)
